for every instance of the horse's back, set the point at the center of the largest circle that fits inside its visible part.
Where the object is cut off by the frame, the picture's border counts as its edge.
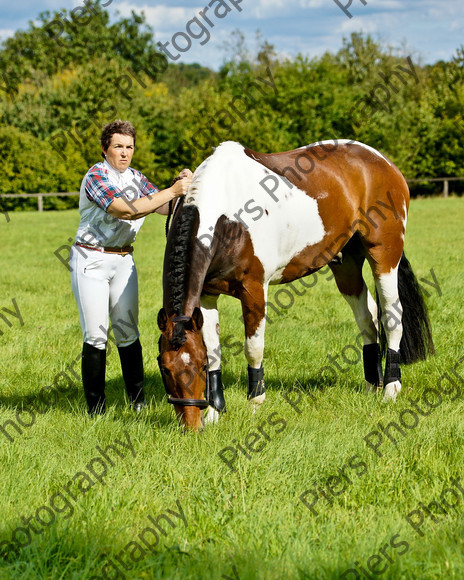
(356, 166)
(357, 188)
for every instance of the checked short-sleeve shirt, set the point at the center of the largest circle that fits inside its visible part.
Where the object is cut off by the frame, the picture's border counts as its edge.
(101, 184)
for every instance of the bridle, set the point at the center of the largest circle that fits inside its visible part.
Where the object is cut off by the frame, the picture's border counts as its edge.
(200, 403)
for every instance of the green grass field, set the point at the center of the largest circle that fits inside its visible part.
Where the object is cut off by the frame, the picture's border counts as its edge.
(63, 517)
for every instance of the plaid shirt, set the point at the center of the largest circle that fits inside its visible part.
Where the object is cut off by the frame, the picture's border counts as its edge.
(102, 191)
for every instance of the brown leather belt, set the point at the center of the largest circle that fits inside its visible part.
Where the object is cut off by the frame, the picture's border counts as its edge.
(122, 251)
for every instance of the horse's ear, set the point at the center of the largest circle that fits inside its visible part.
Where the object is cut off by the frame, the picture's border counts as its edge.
(197, 319)
(162, 320)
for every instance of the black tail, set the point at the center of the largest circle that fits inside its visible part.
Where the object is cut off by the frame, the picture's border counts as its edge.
(416, 343)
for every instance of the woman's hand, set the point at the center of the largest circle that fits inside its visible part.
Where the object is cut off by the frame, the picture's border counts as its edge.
(186, 173)
(180, 187)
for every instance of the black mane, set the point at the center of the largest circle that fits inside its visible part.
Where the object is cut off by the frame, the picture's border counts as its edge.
(176, 267)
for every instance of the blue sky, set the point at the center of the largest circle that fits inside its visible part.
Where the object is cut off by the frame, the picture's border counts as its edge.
(428, 30)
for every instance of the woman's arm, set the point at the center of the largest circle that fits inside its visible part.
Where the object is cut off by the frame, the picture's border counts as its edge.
(164, 209)
(131, 210)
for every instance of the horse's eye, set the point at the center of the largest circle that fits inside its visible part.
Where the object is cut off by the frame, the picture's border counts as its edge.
(166, 371)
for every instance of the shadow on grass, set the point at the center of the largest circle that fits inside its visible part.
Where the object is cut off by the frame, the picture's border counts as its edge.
(159, 413)
(72, 398)
(72, 555)
(307, 382)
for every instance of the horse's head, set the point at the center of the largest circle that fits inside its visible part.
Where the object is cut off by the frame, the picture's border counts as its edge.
(183, 364)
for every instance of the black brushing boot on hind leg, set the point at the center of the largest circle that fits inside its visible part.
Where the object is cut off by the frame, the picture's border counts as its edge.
(216, 391)
(256, 386)
(93, 378)
(132, 372)
(372, 360)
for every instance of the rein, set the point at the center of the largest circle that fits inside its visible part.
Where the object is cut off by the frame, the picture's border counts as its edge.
(169, 216)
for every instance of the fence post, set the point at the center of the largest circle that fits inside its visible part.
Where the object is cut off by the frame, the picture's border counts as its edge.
(40, 202)
(445, 188)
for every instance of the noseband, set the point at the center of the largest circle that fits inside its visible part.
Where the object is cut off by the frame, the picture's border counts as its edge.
(200, 403)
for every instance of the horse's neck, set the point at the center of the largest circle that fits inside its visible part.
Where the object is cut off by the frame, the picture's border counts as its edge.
(198, 267)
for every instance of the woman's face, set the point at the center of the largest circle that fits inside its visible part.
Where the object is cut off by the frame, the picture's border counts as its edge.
(120, 151)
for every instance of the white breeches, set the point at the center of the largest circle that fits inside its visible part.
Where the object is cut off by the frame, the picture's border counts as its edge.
(105, 287)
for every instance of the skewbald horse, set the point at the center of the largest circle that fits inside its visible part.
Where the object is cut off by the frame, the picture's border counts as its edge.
(252, 219)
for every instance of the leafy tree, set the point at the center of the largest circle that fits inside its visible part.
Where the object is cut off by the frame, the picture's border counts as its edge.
(63, 79)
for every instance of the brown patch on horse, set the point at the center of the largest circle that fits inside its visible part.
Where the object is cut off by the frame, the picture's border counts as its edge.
(236, 271)
(330, 177)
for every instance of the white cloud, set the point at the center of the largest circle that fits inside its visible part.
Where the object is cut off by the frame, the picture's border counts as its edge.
(365, 24)
(312, 3)
(385, 5)
(162, 17)
(6, 33)
(263, 9)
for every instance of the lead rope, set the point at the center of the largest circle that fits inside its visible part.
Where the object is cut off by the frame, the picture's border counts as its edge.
(168, 219)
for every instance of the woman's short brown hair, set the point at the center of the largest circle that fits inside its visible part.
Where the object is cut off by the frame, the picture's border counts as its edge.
(118, 126)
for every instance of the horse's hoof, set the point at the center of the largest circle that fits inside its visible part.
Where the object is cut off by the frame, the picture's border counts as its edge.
(211, 416)
(256, 402)
(391, 391)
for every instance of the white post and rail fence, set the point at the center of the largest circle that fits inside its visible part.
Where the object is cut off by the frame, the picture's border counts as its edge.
(40, 196)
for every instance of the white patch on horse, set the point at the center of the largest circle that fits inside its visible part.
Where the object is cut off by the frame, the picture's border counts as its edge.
(281, 220)
(387, 287)
(211, 416)
(322, 195)
(185, 357)
(365, 313)
(257, 402)
(254, 346)
(210, 331)
(392, 390)
(276, 278)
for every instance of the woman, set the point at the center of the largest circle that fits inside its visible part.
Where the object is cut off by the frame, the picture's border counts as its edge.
(114, 200)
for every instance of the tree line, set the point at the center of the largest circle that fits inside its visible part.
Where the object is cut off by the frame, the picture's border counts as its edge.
(62, 79)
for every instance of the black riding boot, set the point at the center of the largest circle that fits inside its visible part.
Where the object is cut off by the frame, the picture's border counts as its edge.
(132, 371)
(93, 377)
